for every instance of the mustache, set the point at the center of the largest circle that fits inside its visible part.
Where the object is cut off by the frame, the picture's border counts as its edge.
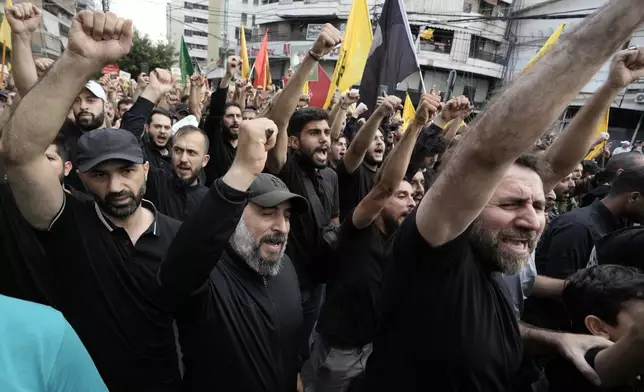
(110, 197)
(275, 238)
(519, 234)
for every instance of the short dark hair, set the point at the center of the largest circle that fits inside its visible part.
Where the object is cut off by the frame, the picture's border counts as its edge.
(630, 180)
(231, 104)
(601, 291)
(160, 111)
(624, 161)
(300, 118)
(62, 149)
(125, 101)
(533, 162)
(590, 167)
(190, 129)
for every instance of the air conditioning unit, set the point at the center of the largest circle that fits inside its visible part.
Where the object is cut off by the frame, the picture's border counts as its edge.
(639, 98)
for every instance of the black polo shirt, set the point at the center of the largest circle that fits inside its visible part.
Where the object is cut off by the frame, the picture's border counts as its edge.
(447, 322)
(355, 186)
(108, 292)
(221, 152)
(237, 330)
(170, 196)
(134, 120)
(565, 248)
(348, 317)
(305, 233)
(563, 376)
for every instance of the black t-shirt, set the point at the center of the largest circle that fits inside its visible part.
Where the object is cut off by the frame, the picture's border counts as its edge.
(623, 247)
(563, 376)
(348, 317)
(171, 197)
(355, 186)
(446, 321)
(25, 272)
(108, 291)
(305, 233)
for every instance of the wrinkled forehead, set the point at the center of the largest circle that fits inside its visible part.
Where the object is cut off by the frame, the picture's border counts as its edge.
(521, 183)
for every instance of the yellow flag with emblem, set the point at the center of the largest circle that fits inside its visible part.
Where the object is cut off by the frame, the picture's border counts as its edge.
(408, 112)
(547, 47)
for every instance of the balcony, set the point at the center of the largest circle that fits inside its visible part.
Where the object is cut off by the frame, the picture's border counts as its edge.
(271, 11)
(492, 57)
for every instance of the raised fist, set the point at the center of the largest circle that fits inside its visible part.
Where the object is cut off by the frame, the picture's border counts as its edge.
(327, 40)
(99, 37)
(161, 81)
(427, 107)
(198, 80)
(233, 65)
(626, 68)
(23, 18)
(457, 107)
(43, 65)
(143, 79)
(389, 106)
(256, 137)
(104, 80)
(240, 84)
(349, 98)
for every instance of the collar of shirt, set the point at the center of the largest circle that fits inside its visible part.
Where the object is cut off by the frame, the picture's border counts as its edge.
(606, 215)
(145, 204)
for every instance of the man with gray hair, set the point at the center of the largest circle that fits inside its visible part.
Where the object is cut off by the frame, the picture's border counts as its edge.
(234, 293)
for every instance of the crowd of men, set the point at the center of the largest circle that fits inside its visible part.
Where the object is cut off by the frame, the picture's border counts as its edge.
(159, 237)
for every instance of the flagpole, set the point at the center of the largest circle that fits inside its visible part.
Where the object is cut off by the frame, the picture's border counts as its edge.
(4, 52)
(422, 81)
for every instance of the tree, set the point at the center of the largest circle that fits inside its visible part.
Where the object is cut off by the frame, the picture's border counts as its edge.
(144, 51)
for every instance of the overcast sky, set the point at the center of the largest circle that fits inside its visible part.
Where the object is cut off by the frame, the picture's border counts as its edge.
(148, 15)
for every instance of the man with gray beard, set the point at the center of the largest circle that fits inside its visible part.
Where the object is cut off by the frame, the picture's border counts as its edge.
(234, 293)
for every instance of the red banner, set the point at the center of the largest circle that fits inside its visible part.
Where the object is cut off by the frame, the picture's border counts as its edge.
(110, 69)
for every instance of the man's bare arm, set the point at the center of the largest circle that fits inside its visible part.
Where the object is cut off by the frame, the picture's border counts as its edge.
(194, 101)
(516, 119)
(38, 118)
(284, 106)
(394, 168)
(24, 20)
(573, 144)
(547, 287)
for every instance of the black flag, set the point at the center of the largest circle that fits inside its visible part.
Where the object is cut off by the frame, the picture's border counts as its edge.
(392, 57)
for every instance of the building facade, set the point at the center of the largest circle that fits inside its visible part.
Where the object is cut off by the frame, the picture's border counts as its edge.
(189, 19)
(528, 35)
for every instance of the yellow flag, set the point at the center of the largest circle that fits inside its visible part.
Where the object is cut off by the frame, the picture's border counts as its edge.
(601, 127)
(547, 47)
(269, 78)
(244, 55)
(354, 50)
(428, 34)
(5, 29)
(408, 112)
(305, 89)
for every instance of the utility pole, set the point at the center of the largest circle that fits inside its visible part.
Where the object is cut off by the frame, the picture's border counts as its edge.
(106, 5)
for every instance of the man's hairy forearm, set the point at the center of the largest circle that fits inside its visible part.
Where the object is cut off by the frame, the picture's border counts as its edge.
(523, 112)
(394, 168)
(537, 341)
(37, 120)
(24, 69)
(573, 144)
(287, 101)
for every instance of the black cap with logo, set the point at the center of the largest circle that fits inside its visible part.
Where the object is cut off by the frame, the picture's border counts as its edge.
(102, 145)
(269, 191)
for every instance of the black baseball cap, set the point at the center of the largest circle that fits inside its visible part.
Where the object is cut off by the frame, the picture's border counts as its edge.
(182, 107)
(269, 191)
(102, 145)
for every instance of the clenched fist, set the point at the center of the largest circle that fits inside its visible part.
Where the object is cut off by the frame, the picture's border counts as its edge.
(43, 65)
(457, 107)
(198, 80)
(389, 106)
(233, 66)
(256, 138)
(161, 81)
(349, 98)
(427, 107)
(101, 38)
(327, 40)
(23, 18)
(626, 68)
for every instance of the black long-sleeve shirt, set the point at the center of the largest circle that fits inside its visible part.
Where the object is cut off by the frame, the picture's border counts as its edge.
(134, 120)
(221, 152)
(236, 327)
(170, 196)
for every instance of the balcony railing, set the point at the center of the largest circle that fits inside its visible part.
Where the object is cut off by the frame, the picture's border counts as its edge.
(438, 47)
(488, 56)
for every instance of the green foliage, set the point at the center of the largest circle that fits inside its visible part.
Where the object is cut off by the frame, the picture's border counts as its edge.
(155, 55)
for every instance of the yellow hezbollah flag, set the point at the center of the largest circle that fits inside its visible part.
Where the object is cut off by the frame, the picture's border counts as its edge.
(547, 47)
(428, 34)
(268, 77)
(5, 29)
(244, 55)
(602, 127)
(408, 112)
(305, 89)
(354, 50)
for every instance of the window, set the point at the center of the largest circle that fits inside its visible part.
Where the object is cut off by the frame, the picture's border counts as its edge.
(255, 2)
(187, 33)
(187, 19)
(253, 24)
(245, 1)
(237, 32)
(244, 18)
(486, 8)
(469, 92)
(187, 5)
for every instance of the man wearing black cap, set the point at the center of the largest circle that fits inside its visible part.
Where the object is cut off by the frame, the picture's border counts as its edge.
(237, 296)
(104, 254)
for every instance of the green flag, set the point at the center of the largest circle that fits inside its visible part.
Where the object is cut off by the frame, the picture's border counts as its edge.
(185, 62)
